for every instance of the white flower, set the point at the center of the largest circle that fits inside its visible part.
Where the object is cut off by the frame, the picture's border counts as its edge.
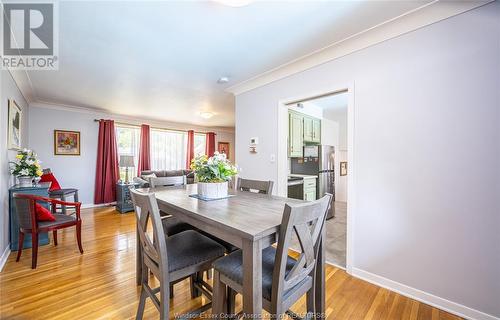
(29, 162)
(24, 172)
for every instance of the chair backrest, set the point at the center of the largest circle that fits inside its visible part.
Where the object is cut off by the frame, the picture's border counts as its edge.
(154, 249)
(46, 171)
(265, 187)
(307, 221)
(167, 181)
(25, 211)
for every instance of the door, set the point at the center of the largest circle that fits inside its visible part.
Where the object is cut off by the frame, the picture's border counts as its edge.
(295, 137)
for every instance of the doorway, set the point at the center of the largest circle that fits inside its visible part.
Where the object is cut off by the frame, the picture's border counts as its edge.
(327, 120)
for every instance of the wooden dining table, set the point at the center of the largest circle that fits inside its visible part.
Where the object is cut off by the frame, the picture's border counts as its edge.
(247, 220)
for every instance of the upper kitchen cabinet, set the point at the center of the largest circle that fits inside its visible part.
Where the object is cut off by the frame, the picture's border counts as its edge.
(316, 130)
(312, 130)
(296, 135)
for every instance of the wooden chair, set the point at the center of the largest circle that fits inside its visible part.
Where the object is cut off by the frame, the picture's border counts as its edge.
(170, 259)
(265, 187)
(284, 279)
(26, 214)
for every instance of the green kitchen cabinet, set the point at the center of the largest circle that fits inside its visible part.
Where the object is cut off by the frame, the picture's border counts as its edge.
(316, 130)
(296, 135)
(308, 129)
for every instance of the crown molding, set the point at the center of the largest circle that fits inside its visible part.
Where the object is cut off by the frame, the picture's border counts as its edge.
(418, 18)
(99, 112)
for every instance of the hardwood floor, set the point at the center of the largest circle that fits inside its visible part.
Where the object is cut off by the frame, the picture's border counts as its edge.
(100, 284)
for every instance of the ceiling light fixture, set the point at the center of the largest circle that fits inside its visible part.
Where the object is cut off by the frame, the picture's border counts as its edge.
(206, 114)
(234, 3)
(223, 80)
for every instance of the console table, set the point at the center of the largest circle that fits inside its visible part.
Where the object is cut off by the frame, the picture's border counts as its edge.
(41, 189)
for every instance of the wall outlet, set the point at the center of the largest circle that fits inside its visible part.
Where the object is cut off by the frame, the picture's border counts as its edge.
(272, 158)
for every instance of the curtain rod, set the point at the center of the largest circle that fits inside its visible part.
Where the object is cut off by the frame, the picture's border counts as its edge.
(158, 128)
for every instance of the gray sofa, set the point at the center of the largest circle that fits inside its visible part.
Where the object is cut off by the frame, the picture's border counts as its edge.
(144, 181)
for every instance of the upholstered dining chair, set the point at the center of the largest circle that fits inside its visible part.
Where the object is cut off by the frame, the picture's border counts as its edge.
(26, 214)
(258, 186)
(284, 279)
(170, 258)
(56, 192)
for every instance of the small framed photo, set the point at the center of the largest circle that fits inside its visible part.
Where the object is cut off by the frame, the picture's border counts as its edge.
(66, 143)
(223, 147)
(343, 168)
(14, 126)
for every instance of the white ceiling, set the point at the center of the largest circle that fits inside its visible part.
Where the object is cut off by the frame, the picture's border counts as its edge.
(162, 59)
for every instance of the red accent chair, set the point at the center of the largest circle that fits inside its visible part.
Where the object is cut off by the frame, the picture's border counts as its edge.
(26, 214)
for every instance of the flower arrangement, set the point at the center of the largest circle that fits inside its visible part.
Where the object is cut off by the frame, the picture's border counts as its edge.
(215, 169)
(26, 164)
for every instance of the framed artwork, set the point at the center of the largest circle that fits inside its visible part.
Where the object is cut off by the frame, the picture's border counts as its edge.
(343, 168)
(223, 147)
(66, 143)
(14, 126)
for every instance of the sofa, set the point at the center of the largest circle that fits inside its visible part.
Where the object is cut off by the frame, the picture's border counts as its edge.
(144, 180)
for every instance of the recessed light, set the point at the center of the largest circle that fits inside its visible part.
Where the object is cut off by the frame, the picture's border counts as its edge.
(206, 114)
(234, 3)
(223, 80)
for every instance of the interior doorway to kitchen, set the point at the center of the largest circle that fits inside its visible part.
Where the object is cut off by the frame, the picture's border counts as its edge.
(315, 161)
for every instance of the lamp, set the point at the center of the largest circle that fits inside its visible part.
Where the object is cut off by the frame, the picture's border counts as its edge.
(126, 161)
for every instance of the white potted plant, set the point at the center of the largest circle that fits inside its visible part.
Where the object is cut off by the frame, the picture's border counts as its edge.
(26, 167)
(212, 175)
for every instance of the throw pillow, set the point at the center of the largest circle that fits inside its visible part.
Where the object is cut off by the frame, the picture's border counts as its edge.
(49, 177)
(43, 214)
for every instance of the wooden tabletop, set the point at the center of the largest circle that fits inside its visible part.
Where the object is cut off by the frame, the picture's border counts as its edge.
(249, 215)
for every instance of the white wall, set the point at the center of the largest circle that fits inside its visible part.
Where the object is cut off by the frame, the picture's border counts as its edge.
(426, 151)
(340, 117)
(79, 171)
(8, 91)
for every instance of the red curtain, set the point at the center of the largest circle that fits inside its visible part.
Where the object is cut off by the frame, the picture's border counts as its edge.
(107, 172)
(190, 149)
(210, 146)
(144, 151)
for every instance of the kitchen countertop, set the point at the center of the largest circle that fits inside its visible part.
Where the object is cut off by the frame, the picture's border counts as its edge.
(303, 176)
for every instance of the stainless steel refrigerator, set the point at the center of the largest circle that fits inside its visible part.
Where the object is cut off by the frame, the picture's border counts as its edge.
(318, 160)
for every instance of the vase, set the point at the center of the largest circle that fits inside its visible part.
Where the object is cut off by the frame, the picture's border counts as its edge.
(212, 190)
(25, 181)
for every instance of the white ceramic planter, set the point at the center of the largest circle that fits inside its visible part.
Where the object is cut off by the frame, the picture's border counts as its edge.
(212, 190)
(25, 181)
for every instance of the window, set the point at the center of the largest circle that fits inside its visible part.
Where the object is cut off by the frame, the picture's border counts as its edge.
(199, 143)
(168, 150)
(127, 141)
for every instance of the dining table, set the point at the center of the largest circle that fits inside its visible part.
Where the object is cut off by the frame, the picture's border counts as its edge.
(247, 220)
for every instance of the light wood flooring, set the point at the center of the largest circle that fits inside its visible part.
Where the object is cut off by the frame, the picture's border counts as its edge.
(100, 284)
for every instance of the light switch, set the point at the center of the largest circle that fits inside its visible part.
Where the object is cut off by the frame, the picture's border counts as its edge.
(273, 157)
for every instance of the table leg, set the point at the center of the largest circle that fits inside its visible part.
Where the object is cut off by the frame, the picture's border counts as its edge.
(138, 259)
(252, 279)
(320, 279)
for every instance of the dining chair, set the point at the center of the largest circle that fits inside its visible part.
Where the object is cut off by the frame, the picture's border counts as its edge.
(26, 214)
(265, 187)
(170, 258)
(284, 279)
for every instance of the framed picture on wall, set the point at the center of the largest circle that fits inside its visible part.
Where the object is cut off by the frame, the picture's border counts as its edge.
(14, 126)
(343, 168)
(66, 143)
(223, 147)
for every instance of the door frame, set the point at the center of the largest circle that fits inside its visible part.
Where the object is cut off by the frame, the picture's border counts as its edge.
(282, 156)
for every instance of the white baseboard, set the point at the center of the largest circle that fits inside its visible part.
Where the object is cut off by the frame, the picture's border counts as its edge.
(91, 205)
(4, 257)
(430, 299)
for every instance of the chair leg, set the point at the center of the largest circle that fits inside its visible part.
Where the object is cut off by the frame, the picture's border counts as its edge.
(171, 290)
(142, 303)
(54, 235)
(192, 280)
(231, 301)
(63, 207)
(218, 297)
(164, 302)
(20, 245)
(34, 250)
(79, 235)
(209, 274)
(310, 303)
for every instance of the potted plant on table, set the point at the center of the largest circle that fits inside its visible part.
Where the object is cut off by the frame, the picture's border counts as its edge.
(212, 175)
(26, 167)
